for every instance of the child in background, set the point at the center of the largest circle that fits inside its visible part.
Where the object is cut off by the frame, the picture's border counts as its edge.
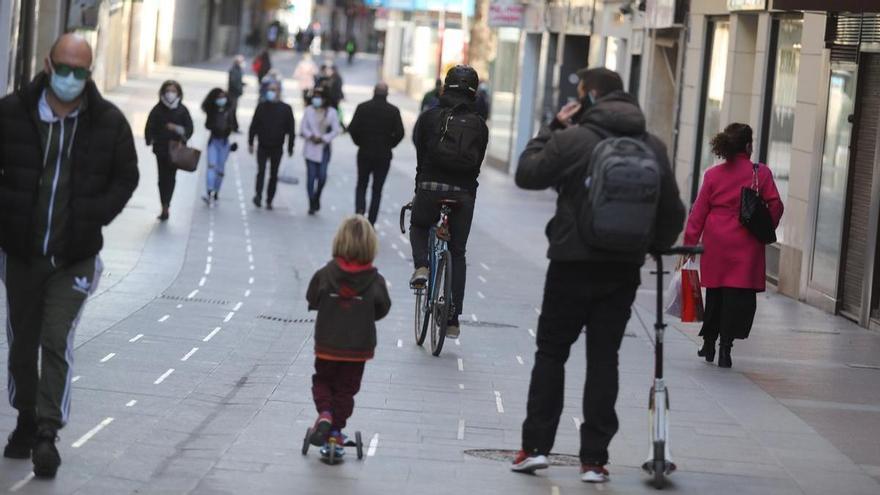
(350, 296)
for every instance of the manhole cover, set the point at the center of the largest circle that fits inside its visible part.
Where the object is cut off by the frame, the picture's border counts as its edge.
(221, 302)
(486, 324)
(508, 456)
(282, 319)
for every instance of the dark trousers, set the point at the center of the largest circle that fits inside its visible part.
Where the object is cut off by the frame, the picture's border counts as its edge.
(578, 294)
(730, 313)
(273, 155)
(167, 179)
(233, 109)
(377, 167)
(425, 213)
(334, 385)
(44, 303)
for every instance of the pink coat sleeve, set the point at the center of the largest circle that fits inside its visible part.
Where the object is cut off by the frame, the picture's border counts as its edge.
(697, 219)
(770, 195)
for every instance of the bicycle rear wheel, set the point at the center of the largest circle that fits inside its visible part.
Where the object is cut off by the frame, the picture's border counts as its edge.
(441, 302)
(422, 317)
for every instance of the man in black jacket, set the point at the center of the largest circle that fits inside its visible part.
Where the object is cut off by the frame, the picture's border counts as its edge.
(273, 121)
(442, 177)
(376, 129)
(585, 286)
(235, 88)
(67, 168)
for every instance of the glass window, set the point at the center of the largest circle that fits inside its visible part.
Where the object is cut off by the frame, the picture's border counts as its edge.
(612, 53)
(713, 92)
(501, 92)
(780, 128)
(832, 185)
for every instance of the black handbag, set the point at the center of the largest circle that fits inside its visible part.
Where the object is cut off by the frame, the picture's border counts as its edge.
(754, 214)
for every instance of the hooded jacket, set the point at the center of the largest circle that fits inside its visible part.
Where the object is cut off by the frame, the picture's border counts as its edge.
(104, 171)
(349, 299)
(557, 158)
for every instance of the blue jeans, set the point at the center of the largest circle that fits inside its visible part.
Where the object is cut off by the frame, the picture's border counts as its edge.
(317, 175)
(218, 152)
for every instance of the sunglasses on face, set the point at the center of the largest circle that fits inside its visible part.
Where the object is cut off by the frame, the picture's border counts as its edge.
(65, 70)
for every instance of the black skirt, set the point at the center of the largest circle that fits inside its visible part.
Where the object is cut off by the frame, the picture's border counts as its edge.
(729, 312)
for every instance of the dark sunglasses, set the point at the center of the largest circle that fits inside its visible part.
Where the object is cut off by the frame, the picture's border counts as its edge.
(65, 70)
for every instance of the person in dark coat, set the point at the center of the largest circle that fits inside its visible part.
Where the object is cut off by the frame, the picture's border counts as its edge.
(262, 65)
(218, 120)
(235, 88)
(68, 166)
(273, 122)
(376, 129)
(585, 287)
(432, 98)
(168, 121)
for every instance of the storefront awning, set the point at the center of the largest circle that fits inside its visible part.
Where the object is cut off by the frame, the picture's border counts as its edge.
(829, 6)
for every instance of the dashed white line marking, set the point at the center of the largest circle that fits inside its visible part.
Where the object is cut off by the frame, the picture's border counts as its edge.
(250, 258)
(229, 317)
(577, 423)
(247, 293)
(554, 490)
(210, 249)
(209, 259)
(202, 282)
(532, 333)
(457, 341)
(252, 267)
(251, 280)
(136, 338)
(249, 248)
(374, 444)
(164, 318)
(393, 246)
(482, 296)
(537, 311)
(482, 278)
(189, 354)
(461, 386)
(485, 267)
(108, 357)
(247, 232)
(237, 306)
(208, 269)
(399, 343)
(388, 284)
(460, 365)
(386, 222)
(91, 433)
(192, 294)
(474, 317)
(402, 256)
(163, 376)
(211, 233)
(498, 404)
(404, 239)
(460, 435)
(75, 379)
(18, 486)
(179, 306)
(131, 403)
(333, 207)
(519, 360)
(211, 335)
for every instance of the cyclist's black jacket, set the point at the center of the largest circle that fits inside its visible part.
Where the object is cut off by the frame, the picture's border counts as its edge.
(427, 130)
(554, 158)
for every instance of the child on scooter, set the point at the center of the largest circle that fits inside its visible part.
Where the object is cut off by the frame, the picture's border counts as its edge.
(350, 296)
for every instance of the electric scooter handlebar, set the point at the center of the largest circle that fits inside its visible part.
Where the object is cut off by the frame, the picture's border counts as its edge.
(679, 250)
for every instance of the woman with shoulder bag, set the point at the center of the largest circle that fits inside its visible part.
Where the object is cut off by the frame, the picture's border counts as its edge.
(169, 121)
(733, 265)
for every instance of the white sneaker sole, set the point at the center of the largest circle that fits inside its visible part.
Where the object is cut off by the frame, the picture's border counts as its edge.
(531, 464)
(591, 477)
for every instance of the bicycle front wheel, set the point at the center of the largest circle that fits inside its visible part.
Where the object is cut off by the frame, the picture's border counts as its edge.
(441, 302)
(422, 317)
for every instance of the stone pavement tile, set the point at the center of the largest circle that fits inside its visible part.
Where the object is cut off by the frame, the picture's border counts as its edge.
(815, 481)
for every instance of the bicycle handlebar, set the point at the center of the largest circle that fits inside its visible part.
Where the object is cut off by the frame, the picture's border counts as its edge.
(679, 250)
(405, 207)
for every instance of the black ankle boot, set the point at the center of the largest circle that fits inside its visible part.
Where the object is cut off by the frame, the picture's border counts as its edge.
(45, 456)
(708, 350)
(22, 439)
(724, 360)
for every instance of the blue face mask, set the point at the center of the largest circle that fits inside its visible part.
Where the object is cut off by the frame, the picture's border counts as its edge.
(317, 101)
(271, 95)
(67, 88)
(221, 102)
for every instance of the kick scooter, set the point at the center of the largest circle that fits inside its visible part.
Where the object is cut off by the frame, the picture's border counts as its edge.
(328, 452)
(659, 463)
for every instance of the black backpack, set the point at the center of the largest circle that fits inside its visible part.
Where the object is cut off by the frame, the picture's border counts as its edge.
(458, 148)
(619, 195)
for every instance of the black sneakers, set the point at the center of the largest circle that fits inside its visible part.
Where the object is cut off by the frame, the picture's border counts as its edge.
(45, 455)
(22, 439)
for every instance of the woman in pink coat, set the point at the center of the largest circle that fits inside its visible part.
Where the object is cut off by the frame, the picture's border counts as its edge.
(732, 268)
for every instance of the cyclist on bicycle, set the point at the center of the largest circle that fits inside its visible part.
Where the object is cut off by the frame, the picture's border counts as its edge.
(450, 142)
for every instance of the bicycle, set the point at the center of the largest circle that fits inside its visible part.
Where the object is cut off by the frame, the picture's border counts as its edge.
(434, 302)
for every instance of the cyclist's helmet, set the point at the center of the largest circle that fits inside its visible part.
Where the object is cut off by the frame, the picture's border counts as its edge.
(462, 78)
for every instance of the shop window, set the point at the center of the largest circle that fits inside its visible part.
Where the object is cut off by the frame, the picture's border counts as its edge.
(713, 94)
(501, 88)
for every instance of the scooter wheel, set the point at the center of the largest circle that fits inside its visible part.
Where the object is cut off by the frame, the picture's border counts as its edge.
(331, 454)
(305, 447)
(359, 445)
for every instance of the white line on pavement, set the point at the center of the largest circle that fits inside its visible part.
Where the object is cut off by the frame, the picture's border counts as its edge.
(251, 280)
(162, 319)
(482, 296)
(537, 311)
(209, 259)
(388, 284)
(519, 360)
(461, 386)
(252, 267)
(75, 379)
(577, 423)
(229, 317)
(94, 431)
(485, 267)
(202, 282)
(250, 258)
(192, 294)
(460, 365)
(482, 278)
(179, 306)
(374, 444)
(136, 338)
(207, 269)
(474, 317)
(386, 222)
(108, 357)
(249, 248)
(460, 429)
(131, 403)
(498, 404)
(554, 490)
(458, 341)
(211, 335)
(210, 249)
(402, 256)
(404, 239)
(399, 343)
(18, 486)
(189, 354)
(247, 293)
(237, 306)
(247, 232)
(532, 333)
(394, 246)
(164, 376)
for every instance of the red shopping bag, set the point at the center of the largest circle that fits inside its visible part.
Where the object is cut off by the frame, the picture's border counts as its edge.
(691, 294)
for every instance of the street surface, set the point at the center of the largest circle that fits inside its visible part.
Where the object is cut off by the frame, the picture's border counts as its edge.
(194, 359)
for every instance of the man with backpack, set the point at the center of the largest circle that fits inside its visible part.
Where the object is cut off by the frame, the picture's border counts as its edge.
(617, 200)
(450, 142)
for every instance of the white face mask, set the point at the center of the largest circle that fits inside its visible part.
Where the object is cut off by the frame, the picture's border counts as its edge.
(170, 99)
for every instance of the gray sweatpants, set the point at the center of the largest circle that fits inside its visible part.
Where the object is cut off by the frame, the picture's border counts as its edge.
(44, 304)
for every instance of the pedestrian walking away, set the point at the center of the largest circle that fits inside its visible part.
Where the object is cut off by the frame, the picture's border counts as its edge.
(218, 120)
(169, 121)
(733, 264)
(235, 88)
(588, 283)
(273, 122)
(262, 64)
(319, 127)
(68, 166)
(305, 74)
(432, 98)
(351, 49)
(349, 295)
(331, 82)
(450, 141)
(376, 129)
